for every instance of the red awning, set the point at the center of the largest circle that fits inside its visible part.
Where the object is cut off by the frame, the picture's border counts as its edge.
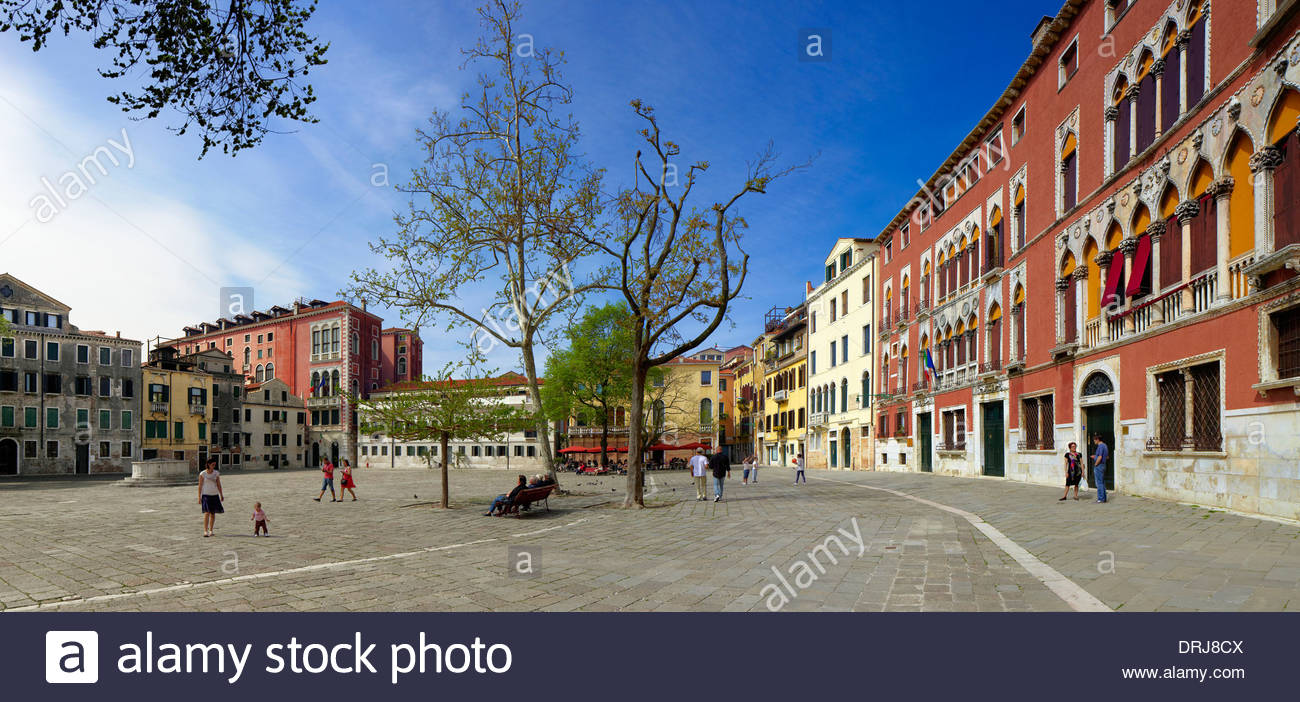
(662, 447)
(573, 449)
(1140, 261)
(1113, 276)
(694, 445)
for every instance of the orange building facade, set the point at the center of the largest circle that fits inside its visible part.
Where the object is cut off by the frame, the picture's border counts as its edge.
(1113, 250)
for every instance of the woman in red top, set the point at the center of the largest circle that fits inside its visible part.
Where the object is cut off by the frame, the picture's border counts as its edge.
(347, 483)
(328, 483)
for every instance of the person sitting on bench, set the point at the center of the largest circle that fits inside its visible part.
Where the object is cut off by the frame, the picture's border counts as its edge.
(501, 502)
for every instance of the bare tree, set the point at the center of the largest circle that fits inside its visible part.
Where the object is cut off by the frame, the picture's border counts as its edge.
(502, 202)
(674, 264)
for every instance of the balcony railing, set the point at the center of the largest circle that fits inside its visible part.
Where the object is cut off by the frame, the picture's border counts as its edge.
(902, 315)
(991, 366)
(781, 395)
(199, 409)
(158, 407)
(921, 386)
(817, 418)
(1045, 444)
(947, 445)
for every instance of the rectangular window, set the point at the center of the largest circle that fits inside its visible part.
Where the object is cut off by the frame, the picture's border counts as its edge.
(51, 418)
(866, 290)
(1069, 63)
(866, 339)
(52, 351)
(29, 417)
(127, 451)
(105, 386)
(1286, 325)
(1018, 127)
(51, 449)
(105, 356)
(83, 353)
(30, 348)
(178, 431)
(7, 347)
(834, 356)
(128, 358)
(812, 363)
(7, 417)
(126, 419)
(706, 377)
(104, 450)
(844, 348)
(105, 419)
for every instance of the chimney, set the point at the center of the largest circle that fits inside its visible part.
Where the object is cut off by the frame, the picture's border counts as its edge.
(296, 306)
(363, 304)
(808, 287)
(1037, 35)
(119, 335)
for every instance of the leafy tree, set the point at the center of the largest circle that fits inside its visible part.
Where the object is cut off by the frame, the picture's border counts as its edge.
(674, 264)
(590, 379)
(502, 202)
(227, 67)
(442, 408)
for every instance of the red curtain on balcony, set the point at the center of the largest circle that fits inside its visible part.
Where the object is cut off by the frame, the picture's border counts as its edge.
(1071, 322)
(1171, 254)
(1140, 283)
(1114, 280)
(1205, 234)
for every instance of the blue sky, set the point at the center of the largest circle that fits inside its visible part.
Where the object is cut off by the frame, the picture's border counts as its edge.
(146, 249)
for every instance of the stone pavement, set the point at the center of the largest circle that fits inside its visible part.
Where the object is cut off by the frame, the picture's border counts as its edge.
(91, 545)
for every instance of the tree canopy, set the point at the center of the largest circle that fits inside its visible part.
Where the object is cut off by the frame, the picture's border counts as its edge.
(228, 67)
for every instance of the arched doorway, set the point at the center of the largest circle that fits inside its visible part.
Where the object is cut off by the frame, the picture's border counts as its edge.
(8, 457)
(315, 454)
(848, 454)
(1097, 402)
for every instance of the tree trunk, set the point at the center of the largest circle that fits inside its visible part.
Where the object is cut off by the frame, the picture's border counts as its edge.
(535, 392)
(635, 493)
(446, 458)
(604, 439)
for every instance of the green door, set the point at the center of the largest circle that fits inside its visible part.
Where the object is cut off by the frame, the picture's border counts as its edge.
(1100, 420)
(923, 441)
(994, 441)
(833, 463)
(845, 441)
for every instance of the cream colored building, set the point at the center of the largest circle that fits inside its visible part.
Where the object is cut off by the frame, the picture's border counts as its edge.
(842, 332)
(274, 426)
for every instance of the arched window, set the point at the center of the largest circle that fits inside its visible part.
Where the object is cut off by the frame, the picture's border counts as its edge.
(1018, 319)
(1018, 212)
(1139, 284)
(1171, 244)
(248, 358)
(356, 344)
(1069, 307)
(866, 388)
(1097, 384)
(1204, 227)
(706, 412)
(995, 336)
(993, 241)
(1282, 134)
(830, 395)
(658, 415)
(258, 376)
(1069, 173)
(1169, 79)
(315, 384)
(889, 307)
(1146, 103)
(902, 369)
(925, 284)
(401, 366)
(963, 269)
(1123, 112)
(1113, 294)
(1241, 201)
(907, 289)
(1195, 55)
(270, 371)
(942, 268)
(844, 394)
(334, 383)
(972, 339)
(959, 342)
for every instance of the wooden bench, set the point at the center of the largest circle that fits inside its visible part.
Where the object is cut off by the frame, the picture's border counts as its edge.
(527, 497)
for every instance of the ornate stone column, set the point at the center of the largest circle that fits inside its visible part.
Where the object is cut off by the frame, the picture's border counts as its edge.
(1156, 231)
(1186, 212)
(1128, 247)
(1262, 165)
(1062, 288)
(1112, 115)
(1158, 70)
(1103, 265)
(1080, 276)
(1222, 193)
(1184, 38)
(1132, 95)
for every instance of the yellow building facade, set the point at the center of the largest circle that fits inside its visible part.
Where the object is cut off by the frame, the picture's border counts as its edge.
(784, 389)
(176, 407)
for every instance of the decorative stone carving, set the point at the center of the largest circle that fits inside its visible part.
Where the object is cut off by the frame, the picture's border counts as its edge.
(1182, 155)
(1165, 166)
(1222, 187)
(1157, 230)
(1129, 246)
(1216, 126)
(1187, 210)
(1266, 159)
(1103, 258)
(1234, 108)
(1080, 273)
(1062, 284)
(1184, 38)
(1158, 66)
(1110, 207)
(1281, 67)
(1112, 113)
(1197, 139)
(1257, 96)
(1133, 91)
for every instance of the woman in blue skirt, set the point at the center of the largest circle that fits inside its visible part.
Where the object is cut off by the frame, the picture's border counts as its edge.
(210, 496)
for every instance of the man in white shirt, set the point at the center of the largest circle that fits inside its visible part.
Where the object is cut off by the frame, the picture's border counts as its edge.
(699, 470)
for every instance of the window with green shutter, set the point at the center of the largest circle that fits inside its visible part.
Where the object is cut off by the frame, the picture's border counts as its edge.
(105, 419)
(203, 432)
(6, 416)
(51, 418)
(179, 433)
(126, 420)
(83, 418)
(29, 417)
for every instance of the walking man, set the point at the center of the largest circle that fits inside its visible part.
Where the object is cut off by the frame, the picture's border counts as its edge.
(721, 466)
(752, 462)
(1099, 457)
(699, 467)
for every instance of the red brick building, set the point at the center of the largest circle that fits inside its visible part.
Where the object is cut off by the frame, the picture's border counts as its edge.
(323, 350)
(1113, 249)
